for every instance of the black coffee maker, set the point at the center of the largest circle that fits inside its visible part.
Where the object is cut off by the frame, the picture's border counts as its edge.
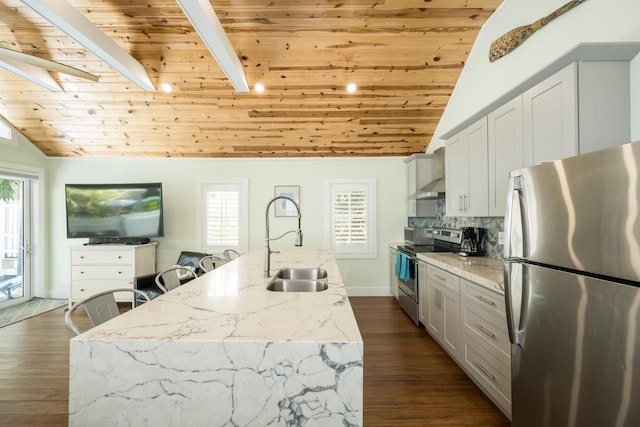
(472, 241)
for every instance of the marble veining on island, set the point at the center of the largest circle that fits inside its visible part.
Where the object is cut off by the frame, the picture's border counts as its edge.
(223, 351)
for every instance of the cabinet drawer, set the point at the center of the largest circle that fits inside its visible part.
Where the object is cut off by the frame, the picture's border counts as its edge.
(488, 372)
(487, 328)
(106, 257)
(84, 272)
(491, 301)
(444, 278)
(85, 288)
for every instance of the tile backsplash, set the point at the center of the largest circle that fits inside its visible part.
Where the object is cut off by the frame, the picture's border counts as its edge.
(493, 226)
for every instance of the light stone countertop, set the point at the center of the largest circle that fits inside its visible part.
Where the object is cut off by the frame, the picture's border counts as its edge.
(486, 272)
(222, 350)
(232, 304)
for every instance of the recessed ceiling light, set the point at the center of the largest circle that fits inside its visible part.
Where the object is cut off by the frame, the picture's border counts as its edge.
(351, 87)
(259, 88)
(165, 87)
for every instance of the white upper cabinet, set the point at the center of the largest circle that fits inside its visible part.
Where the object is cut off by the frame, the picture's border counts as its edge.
(583, 107)
(550, 118)
(467, 171)
(505, 151)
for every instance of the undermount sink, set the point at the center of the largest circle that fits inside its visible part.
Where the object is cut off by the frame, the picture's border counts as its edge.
(299, 280)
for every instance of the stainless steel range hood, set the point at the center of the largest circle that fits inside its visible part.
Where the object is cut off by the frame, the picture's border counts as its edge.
(434, 186)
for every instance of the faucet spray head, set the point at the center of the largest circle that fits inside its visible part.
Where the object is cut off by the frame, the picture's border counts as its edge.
(299, 232)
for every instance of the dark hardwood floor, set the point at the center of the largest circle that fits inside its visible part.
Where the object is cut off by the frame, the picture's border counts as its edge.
(408, 379)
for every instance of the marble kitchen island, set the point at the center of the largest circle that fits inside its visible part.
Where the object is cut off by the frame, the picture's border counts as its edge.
(222, 350)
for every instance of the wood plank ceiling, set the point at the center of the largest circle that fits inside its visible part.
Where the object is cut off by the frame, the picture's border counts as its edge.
(404, 55)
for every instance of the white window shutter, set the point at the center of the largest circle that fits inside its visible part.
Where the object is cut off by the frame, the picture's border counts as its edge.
(224, 216)
(351, 218)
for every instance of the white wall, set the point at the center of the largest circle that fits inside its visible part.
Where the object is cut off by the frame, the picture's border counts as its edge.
(482, 82)
(180, 177)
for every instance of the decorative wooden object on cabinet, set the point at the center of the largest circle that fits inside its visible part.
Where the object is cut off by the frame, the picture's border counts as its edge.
(103, 267)
(467, 171)
(393, 279)
(505, 151)
(485, 348)
(443, 315)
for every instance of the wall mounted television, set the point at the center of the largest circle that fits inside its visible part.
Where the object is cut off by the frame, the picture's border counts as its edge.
(114, 213)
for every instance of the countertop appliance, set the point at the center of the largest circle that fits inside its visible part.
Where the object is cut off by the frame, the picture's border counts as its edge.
(572, 273)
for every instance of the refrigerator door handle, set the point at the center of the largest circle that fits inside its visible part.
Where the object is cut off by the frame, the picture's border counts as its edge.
(513, 224)
(513, 293)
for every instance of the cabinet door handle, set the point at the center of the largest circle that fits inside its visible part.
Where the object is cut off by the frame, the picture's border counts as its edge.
(460, 203)
(485, 372)
(466, 205)
(484, 300)
(437, 276)
(485, 330)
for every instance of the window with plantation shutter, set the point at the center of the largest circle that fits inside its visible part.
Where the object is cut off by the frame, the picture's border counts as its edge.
(224, 216)
(351, 219)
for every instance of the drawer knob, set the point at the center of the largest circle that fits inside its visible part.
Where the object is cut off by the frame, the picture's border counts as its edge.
(81, 256)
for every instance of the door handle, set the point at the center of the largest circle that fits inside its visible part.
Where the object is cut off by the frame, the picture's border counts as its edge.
(513, 294)
(513, 223)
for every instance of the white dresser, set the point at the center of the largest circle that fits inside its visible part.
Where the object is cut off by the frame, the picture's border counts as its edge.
(103, 267)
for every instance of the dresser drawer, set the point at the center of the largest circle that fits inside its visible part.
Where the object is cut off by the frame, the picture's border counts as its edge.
(83, 272)
(493, 376)
(491, 301)
(444, 278)
(81, 289)
(106, 257)
(486, 327)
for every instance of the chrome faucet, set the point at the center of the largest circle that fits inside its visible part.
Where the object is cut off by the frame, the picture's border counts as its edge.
(267, 249)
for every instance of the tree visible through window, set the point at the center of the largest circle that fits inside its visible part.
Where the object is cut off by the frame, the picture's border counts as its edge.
(351, 228)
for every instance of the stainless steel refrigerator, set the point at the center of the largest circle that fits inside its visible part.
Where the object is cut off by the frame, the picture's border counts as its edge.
(572, 278)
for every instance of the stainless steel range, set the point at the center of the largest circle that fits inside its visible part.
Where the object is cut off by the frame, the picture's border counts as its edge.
(416, 240)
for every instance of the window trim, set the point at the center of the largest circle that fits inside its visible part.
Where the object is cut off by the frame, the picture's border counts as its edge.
(370, 183)
(5, 127)
(243, 245)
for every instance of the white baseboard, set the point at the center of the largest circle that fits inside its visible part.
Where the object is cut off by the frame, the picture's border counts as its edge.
(58, 293)
(368, 292)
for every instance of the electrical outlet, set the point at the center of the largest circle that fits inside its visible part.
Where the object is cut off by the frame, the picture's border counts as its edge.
(347, 274)
(501, 237)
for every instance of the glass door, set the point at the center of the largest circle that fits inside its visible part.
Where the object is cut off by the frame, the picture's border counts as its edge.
(15, 235)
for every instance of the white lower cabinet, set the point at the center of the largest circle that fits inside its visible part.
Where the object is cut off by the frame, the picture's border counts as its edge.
(442, 319)
(102, 267)
(485, 347)
(469, 322)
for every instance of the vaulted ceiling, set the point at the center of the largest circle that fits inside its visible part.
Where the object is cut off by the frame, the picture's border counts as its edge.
(405, 57)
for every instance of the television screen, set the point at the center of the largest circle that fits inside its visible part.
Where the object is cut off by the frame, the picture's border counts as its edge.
(114, 210)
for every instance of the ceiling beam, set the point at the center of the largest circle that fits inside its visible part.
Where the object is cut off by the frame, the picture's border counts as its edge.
(206, 23)
(67, 18)
(34, 74)
(46, 64)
